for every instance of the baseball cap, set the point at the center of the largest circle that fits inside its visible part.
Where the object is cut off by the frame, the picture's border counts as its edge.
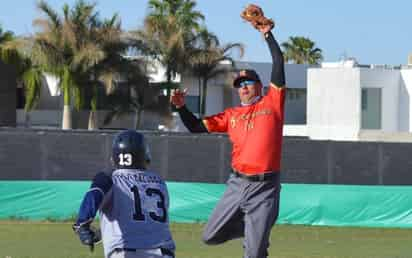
(245, 74)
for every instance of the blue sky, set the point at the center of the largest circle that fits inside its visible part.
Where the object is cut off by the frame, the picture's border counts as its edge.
(372, 31)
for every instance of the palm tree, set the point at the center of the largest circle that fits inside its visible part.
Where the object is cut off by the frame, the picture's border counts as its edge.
(52, 52)
(129, 97)
(96, 48)
(74, 47)
(27, 73)
(103, 59)
(105, 72)
(166, 32)
(301, 50)
(205, 60)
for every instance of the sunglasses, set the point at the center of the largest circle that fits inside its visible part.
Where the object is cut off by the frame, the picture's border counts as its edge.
(246, 83)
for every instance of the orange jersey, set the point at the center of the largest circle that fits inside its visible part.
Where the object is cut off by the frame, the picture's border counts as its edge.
(255, 132)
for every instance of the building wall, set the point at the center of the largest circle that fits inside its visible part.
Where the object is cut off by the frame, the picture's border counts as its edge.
(405, 107)
(49, 101)
(295, 106)
(214, 99)
(333, 103)
(388, 81)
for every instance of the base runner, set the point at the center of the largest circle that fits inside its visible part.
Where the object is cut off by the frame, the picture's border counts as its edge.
(132, 203)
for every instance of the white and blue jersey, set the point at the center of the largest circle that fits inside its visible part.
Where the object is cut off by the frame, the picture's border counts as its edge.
(133, 209)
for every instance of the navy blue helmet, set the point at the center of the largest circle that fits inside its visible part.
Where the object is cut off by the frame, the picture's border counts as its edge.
(129, 150)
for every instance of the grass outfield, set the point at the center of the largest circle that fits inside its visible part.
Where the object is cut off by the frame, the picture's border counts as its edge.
(56, 240)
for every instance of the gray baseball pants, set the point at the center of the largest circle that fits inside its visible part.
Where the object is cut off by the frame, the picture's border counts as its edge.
(247, 209)
(143, 253)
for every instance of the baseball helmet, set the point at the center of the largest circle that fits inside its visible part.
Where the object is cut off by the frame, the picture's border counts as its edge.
(129, 150)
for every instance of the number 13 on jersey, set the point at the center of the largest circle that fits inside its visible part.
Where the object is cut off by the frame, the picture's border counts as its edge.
(150, 192)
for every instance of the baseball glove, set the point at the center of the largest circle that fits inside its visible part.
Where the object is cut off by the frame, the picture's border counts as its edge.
(254, 14)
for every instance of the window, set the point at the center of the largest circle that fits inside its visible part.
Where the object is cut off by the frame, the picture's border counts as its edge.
(295, 94)
(364, 97)
(371, 107)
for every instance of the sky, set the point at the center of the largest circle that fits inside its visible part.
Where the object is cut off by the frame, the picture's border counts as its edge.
(372, 31)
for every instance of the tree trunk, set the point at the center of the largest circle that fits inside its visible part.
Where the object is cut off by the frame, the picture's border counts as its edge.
(93, 115)
(169, 82)
(93, 120)
(138, 118)
(199, 81)
(67, 113)
(67, 118)
(168, 91)
(204, 94)
(27, 119)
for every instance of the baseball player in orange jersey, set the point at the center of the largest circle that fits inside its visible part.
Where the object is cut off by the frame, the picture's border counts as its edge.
(250, 205)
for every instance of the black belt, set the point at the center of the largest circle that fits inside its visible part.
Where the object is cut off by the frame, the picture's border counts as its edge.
(257, 178)
(164, 251)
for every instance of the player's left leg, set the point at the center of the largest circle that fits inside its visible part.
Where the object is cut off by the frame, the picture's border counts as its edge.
(261, 211)
(226, 221)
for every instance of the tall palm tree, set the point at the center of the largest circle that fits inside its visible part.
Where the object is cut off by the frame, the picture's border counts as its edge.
(97, 48)
(52, 52)
(167, 29)
(301, 50)
(104, 38)
(205, 60)
(74, 47)
(129, 98)
(107, 71)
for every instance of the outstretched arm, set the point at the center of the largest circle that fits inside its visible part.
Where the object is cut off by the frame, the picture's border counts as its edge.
(278, 66)
(101, 185)
(192, 123)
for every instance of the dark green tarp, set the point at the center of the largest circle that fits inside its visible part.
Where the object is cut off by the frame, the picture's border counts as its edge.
(332, 205)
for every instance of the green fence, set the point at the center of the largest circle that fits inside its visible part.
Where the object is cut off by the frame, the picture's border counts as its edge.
(331, 205)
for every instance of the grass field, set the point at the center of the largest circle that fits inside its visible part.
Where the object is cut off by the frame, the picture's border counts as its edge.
(56, 240)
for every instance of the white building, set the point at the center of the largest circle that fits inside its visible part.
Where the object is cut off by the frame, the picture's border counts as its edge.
(347, 101)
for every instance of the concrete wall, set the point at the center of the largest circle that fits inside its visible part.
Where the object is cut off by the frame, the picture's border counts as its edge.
(8, 95)
(388, 81)
(78, 155)
(333, 103)
(405, 107)
(150, 120)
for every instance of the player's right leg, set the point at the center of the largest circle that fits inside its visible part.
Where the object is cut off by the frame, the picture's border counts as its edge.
(226, 221)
